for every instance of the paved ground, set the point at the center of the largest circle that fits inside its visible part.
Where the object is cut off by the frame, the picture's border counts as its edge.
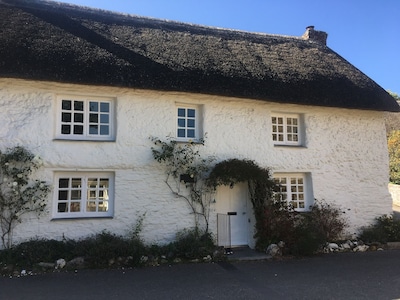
(369, 275)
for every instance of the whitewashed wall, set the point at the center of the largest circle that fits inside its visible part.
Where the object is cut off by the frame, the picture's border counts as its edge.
(345, 153)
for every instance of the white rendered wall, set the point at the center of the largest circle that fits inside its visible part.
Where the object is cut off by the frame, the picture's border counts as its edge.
(345, 152)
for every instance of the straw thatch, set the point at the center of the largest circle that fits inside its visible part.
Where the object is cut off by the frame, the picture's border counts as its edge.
(50, 41)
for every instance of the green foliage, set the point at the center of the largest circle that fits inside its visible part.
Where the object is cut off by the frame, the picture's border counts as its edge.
(104, 249)
(37, 250)
(19, 194)
(303, 233)
(394, 156)
(184, 161)
(385, 229)
(193, 243)
(261, 188)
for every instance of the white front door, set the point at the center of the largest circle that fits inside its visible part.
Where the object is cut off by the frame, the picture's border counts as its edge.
(233, 202)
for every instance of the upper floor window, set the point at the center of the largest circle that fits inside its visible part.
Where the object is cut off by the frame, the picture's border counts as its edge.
(79, 194)
(188, 122)
(85, 119)
(295, 188)
(286, 129)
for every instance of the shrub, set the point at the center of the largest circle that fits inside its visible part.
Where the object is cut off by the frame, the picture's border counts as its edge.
(37, 250)
(102, 249)
(385, 229)
(303, 233)
(193, 243)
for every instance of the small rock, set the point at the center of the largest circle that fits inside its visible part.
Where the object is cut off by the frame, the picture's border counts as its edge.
(361, 248)
(273, 250)
(207, 258)
(23, 273)
(177, 260)
(144, 259)
(60, 263)
(46, 265)
(76, 262)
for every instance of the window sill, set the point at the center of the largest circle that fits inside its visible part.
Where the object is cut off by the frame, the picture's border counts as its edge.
(84, 140)
(80, 218)
(290, 146)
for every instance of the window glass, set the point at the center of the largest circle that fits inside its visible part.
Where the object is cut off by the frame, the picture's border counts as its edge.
(84, 119)
(83, 196)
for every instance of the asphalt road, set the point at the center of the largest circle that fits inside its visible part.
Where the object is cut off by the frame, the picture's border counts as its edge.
(369, 275)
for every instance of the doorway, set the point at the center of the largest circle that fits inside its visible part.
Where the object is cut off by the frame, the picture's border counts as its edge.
(233, 202)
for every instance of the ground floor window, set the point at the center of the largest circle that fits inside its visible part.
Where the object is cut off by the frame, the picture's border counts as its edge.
(296, 189)
(79, 194)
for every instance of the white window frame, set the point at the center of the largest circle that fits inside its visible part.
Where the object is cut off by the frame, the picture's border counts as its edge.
(103, 197)
(195, 121)
(296, 188)
(86, 122)
(283, 125)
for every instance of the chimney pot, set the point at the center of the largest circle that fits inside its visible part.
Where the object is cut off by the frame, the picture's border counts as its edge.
(314, 35)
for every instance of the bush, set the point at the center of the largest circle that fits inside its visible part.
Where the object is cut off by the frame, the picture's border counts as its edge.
(303, 233)
(102, 249)
(385, 229)
(34, 251)
(192, 244)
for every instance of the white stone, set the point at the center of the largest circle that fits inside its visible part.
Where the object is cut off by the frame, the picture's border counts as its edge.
(273, 250)
(60, 263)
(361, 248)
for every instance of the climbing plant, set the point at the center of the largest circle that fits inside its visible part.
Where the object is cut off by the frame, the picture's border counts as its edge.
(186, 172)
(260, 185)
(19, 193)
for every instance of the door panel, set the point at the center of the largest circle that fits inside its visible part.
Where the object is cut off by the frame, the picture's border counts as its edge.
(233, 201)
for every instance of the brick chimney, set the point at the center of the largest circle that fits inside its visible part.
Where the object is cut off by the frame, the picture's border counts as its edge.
(315, 35)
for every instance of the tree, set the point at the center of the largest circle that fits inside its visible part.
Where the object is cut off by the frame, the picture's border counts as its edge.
(392, 120)
(394, 156)
(19, 194)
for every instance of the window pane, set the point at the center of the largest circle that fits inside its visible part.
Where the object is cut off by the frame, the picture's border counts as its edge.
(75, 207)
(78, 105)
(94, 106)
(104, 182)
(66, 105)
(181, 112)
(93, 118)
(104, 119)
(104, 107)
(62, 195)
(78, 118)
(190, 123)
(65, 129)
(91, 206)
(92, 183)
(78, 129)
(190, 133)
(76, 182)
(92, 194)
(181, 132)
(63, 182)
(103, 206)
(104, 130)
(191, 113)
(181, 123)
(93, 129)
(62, 207)
(66, 117)
(75, 195)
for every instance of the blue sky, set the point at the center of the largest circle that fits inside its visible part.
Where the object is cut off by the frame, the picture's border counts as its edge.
(364, 32)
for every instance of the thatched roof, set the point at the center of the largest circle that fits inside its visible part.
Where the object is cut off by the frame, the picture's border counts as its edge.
(42, 40)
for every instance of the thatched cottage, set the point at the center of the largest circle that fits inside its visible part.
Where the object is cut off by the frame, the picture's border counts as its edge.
(86, 88)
